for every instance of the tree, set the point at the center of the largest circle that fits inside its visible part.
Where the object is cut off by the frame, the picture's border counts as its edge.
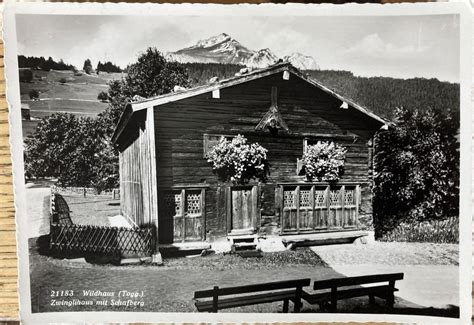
(40, 63)
(87, 66)
(108, 67)
(72, 149)
(78, 150)
(103, 97)
(150, 76)
(53, 146)
(416, 168)
(99, 67)
(34, 94)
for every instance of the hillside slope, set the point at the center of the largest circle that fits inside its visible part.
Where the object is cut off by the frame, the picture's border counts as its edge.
(63, 91)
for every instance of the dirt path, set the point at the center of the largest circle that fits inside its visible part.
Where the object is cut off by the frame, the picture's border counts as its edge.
(37, 208)
(390, 253)
(429, 286)
(431, 270)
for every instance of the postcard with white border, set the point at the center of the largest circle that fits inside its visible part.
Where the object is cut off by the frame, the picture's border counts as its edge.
(241, 163)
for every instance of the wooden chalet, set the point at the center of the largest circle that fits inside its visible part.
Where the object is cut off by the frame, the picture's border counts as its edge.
(166, 180)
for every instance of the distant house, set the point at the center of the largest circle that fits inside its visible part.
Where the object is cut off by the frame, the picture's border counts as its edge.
(25, 111)
(166, 180)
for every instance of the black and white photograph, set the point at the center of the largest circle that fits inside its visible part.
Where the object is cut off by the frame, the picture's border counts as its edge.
(291, 160)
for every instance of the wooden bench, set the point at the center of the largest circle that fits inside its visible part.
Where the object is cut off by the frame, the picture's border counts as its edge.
(343, 288)
(252, 295)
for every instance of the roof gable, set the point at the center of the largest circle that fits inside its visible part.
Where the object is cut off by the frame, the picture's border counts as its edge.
(285, 68)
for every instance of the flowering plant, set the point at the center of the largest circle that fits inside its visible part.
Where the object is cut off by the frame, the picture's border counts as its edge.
(324, 161)
(237, 161)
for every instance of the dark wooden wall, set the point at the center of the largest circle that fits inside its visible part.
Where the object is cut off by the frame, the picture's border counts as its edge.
(309, 112)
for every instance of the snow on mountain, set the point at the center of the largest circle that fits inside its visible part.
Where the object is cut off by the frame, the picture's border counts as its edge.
(217, 49)
(301, 61)
(261, 58)
(223, 48)
(185, 58)
(221, 38)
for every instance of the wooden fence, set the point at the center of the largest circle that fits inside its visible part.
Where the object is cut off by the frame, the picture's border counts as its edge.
(102, 240)
(69, 238)
(85, 191)
(59, 210)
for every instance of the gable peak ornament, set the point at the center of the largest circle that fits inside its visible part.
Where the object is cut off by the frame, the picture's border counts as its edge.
(272, 119)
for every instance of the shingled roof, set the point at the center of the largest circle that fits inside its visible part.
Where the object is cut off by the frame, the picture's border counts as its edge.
(134, 107)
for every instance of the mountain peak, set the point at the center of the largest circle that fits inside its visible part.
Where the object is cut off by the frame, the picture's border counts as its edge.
(222, 48)
(262, 58)
(214, 40)
(301, 61)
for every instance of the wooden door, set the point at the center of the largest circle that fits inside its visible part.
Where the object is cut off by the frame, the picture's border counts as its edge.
(181, 216)
(243, 209)
(336, 207)
(305, 215)
(290, 209)
(344, 206)
(169, 210)
(321, 213)
(193, 217)
(351, 206)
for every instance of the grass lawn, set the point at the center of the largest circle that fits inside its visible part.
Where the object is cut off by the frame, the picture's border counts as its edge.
(79, 87)
(55, 89)
(40, 109)
(92, 210)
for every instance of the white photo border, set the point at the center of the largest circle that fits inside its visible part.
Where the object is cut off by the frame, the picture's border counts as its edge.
(13, 97)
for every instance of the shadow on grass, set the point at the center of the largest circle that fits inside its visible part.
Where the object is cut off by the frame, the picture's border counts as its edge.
(450, 311)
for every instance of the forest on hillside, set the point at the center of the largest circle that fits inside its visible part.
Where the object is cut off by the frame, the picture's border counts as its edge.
(379, 94)
(42, 63)
(200, 73)
(383, 94)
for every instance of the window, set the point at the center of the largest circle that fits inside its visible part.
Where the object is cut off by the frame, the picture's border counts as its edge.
(308, 142)
(210, 140)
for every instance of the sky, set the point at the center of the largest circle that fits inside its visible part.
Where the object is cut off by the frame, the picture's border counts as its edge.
(393, 46)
